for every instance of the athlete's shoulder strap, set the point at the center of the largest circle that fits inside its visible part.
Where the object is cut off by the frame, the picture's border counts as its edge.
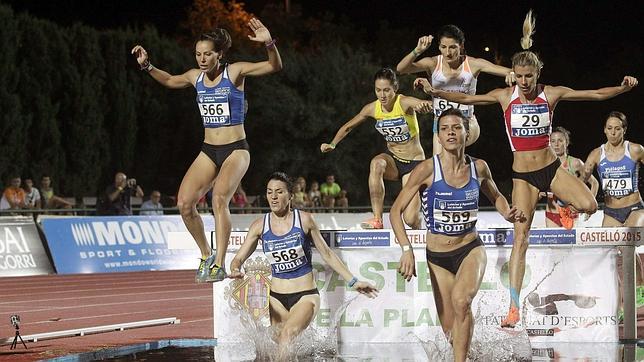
(438, 172)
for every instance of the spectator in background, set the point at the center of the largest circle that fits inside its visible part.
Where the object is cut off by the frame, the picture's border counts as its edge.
(153, 205)
(49, 198)
(315, 198)
(300, 199)
(13, 197)
(342, 201)
(239, 199)
(32, 195)
(115, 200)
(302, 182)
(329, 190)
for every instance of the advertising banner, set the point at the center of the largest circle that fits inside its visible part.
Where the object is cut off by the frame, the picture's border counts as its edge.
(569, 295)
(117, 243)
(21, 250)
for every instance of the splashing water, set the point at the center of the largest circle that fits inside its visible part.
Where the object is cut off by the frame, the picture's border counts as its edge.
(313, 344)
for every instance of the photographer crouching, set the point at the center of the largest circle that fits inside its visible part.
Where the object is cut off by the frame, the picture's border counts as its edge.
(115, 200)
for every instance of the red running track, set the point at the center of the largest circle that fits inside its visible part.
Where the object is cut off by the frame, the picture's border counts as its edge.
(59, 302)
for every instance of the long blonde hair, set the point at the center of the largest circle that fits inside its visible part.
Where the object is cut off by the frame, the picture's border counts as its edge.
(526, 57)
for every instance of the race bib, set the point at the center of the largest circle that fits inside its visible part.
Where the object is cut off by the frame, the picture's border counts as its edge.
(441, 105)
(214, 109)
(617, 183)
(394, 130)
(454, 217)
(530, 120)
(286, 255)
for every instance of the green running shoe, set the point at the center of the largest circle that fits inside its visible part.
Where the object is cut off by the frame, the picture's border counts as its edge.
(216, 274)
(204, 269)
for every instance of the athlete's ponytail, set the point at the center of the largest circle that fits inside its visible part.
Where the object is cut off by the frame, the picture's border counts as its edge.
(526, 57)
(219, 37)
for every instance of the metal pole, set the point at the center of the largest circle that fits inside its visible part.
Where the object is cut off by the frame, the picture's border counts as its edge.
(628, 286)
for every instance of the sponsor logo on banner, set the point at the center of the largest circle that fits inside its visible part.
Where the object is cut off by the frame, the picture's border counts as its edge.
(552, 236)
(21, 250)
(496, 236)
(109, 244)
(609, 236)
(362, 238)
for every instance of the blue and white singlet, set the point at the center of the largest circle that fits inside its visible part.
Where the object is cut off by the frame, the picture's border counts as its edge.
(288, 254)
(221, 105)
(449, 210)
(618, 178)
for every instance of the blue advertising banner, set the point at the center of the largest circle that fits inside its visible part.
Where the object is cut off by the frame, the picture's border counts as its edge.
(362, 238)
(502, 237)
(117, 243)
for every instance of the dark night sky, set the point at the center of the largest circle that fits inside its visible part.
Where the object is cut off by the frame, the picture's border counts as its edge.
(593, 43)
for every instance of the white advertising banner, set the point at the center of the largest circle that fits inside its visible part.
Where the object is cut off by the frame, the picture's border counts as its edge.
(569, 294)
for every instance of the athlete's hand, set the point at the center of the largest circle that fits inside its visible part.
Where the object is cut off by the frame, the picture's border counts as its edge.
(326, 147)
(407, 265)
(423, 43)
(141, 55)
(629, 81)
(236, 274)
(423, 83)
(261, 33)
(510, 79)
(424, 107)
(514, 215)
(366, 288)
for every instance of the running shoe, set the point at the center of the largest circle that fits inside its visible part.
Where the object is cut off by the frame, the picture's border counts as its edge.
(204, 268)
(512, 319)
(216, 274)
(567, 217)
(373, 223)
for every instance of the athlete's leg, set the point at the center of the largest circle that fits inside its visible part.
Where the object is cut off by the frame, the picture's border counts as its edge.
(636, 219)
(573, 191)
(299, 317)
(195, 183)
(277, 311)
(474, 132)
(524, 197)
(442, 284)
(411, 213)
(382, 167)
(230, 174)
(468, 282)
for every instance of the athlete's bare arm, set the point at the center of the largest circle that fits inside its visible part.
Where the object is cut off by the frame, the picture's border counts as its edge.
(559, 93)
(488, 187)
(366, 113)
(499, 95)
(247, 248)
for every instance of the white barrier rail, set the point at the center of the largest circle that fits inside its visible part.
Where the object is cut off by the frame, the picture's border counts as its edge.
(92, 330)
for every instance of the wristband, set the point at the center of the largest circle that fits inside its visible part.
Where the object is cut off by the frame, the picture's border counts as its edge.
(147, 66)
(406, 247)
(332, 145)
(415, 53)
(271, 44)
(352, 282)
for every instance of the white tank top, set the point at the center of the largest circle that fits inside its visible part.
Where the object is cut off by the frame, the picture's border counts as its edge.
(463, 83)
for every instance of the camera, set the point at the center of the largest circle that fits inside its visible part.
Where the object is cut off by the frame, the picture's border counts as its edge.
(131, 182)
(15, 321)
